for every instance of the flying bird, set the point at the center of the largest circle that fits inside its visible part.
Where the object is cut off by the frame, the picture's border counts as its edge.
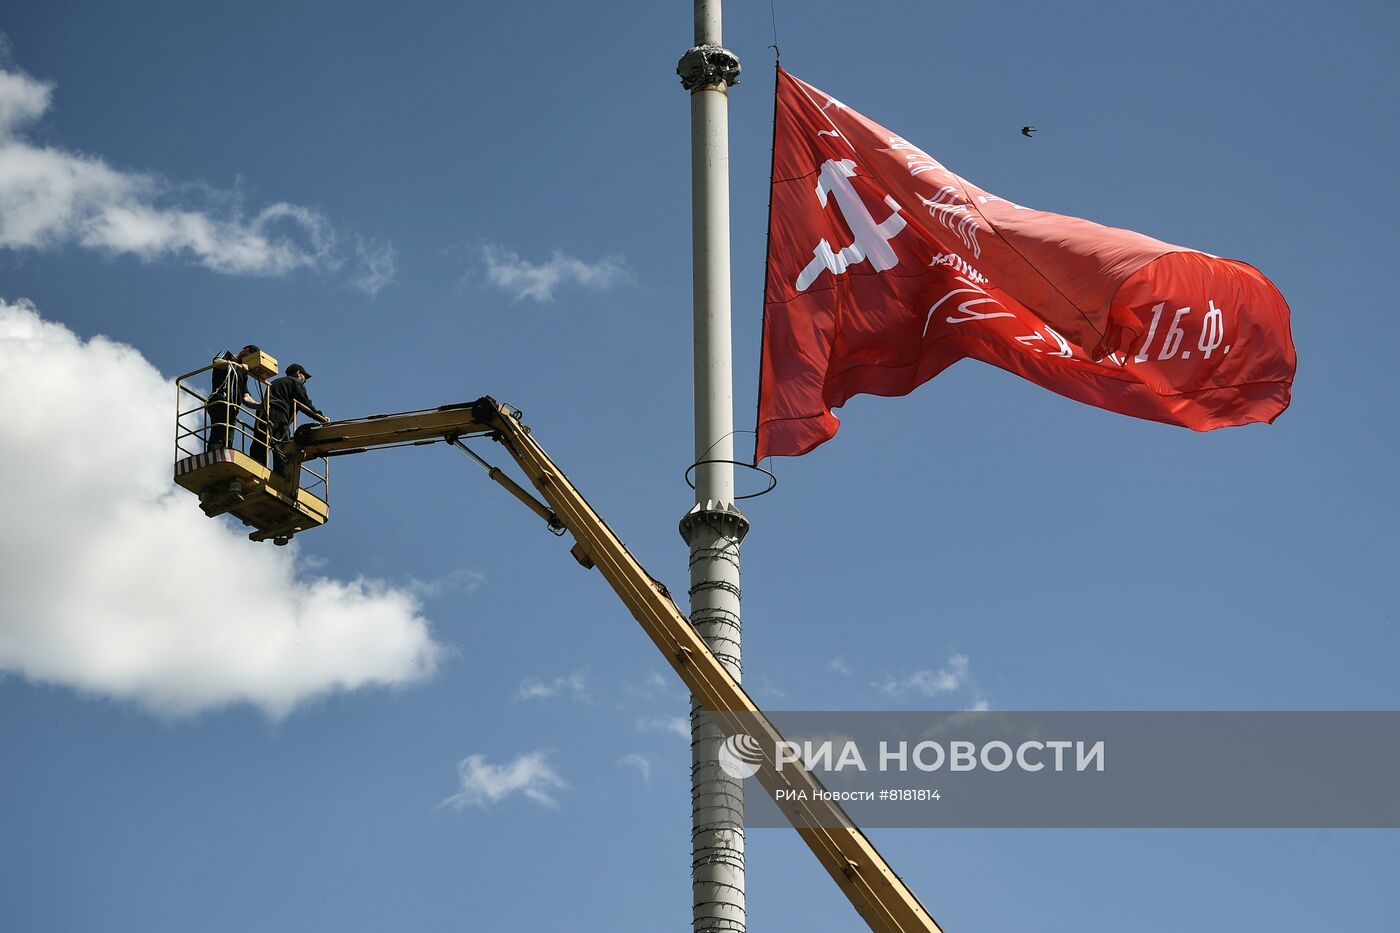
(1026, 131)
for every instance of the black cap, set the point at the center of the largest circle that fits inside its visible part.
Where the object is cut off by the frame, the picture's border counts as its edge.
(298, 368)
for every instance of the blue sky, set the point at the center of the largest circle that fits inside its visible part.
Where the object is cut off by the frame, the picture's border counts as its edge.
(431, 719)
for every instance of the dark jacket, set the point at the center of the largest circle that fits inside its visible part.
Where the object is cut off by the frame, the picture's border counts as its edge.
(228, 383)
(282, 395)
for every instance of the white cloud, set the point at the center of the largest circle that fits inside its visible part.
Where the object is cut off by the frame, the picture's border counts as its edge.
(483, 783)
(524, 279)
(760, 686)
(641, 762)
(22, 100)
(946, 679)
(676, 725)
(116, 585)
(650, 688)
(378, 264)
(454, 581)
(839, 665)
(575, 685)
(50, 197)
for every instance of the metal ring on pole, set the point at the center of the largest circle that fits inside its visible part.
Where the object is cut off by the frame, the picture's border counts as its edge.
(772, 479)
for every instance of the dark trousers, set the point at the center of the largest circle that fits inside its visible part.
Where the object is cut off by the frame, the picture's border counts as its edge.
(221, 416)
(279, 432)
(271, 431)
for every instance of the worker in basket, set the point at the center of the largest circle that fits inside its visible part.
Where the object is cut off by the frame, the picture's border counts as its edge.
(284, 394)
(228, 393)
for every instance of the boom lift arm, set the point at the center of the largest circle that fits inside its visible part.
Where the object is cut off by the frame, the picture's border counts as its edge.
(881, 897)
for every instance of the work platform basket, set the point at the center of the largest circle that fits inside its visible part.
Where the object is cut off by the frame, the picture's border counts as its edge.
(223, 454)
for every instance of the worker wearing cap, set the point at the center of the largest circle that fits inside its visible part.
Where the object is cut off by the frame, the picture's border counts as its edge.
(284, 394)
(228, 392)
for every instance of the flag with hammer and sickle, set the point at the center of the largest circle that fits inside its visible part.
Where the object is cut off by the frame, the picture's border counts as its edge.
(885, 268)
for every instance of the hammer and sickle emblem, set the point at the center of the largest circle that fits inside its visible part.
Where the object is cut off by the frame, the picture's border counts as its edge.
(871, 238)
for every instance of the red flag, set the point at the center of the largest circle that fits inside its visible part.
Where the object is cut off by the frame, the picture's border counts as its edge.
(885, 268)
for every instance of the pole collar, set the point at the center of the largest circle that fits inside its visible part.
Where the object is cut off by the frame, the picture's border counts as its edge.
(723, 517)
(708, 66)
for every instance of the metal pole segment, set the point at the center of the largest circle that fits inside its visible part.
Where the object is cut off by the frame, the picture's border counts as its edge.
(714, 527)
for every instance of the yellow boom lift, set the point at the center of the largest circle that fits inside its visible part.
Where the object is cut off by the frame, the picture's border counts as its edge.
(278, 506)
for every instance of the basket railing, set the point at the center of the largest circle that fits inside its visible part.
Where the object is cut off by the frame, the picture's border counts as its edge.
(214, 419)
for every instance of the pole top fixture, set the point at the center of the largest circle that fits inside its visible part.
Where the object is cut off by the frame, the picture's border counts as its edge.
(707, 66)
(723, 517)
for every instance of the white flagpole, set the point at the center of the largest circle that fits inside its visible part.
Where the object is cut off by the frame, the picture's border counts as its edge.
(714, 527)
